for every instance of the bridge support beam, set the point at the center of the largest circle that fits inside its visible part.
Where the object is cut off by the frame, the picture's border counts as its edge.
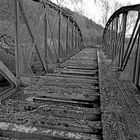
(136, 70)
(17, 48)
(67, 44)
(59, 37)
(45, 41)
(124, 20)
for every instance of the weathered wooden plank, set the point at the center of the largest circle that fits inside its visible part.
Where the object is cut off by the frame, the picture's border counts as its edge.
(33, 133)
(82, 68)
(79, 73)
(66, 102)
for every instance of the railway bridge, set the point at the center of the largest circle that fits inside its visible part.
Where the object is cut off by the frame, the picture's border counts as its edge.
(55, 88)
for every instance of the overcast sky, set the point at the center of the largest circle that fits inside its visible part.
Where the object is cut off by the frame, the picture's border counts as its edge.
(93, 12)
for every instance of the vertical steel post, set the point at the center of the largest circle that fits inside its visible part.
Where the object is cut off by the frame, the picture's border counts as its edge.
(72, 39)
(74, 45)
(123, 39)
(137, 77)
(78, 41)
(70, 34)
(67, 46)
(17, 49)
(136, 70)
(59, 36)
(108, 42)
(75, 39)
(116, 36)
(120, 26)
(104, 40)
(114, 39)
(45, 41)
(111, 40)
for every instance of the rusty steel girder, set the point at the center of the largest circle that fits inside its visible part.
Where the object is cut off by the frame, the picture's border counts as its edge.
(121, 41)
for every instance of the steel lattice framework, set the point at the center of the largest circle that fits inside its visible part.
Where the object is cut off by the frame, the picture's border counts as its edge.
(118, 46)
(66, 41)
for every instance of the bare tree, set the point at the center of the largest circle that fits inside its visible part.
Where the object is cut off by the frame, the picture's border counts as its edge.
(105, 9)
(116, 6)
(60, 2)
(108, 8)
(74, 3)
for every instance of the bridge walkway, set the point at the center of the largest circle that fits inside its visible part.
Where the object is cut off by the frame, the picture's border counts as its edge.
(62, 105)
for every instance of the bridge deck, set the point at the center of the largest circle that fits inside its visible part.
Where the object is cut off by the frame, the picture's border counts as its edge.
(82, 96)
(63, 105)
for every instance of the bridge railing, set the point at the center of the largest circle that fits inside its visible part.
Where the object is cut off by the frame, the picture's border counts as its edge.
(46, 35)
(121, 41)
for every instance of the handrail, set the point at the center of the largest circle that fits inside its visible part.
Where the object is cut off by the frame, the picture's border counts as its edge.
(115, 41)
